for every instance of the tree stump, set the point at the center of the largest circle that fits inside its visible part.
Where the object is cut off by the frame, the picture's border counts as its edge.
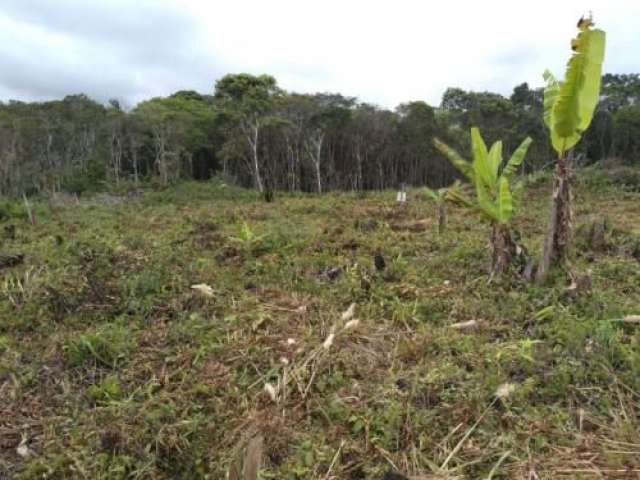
(504, 248)
(594, 234)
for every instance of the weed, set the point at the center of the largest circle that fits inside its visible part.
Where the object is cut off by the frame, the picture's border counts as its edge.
(5, 343)
(108, 389)
(107, 346)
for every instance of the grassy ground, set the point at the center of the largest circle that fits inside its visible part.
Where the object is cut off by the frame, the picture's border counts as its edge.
(112, 366)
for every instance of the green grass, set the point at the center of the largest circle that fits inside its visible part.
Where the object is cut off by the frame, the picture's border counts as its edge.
(112, 366)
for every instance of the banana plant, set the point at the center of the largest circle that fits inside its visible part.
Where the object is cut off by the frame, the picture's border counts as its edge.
(495, 200)
(439, 196)
(568, 109)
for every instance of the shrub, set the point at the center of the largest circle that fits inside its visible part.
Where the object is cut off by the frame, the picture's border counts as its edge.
(10, 210)
(609, 175)
(625, 177)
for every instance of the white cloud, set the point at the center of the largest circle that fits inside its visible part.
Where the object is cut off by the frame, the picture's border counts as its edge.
(389, 52)
(380, 51)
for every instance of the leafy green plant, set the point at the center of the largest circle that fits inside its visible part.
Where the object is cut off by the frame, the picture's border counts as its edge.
(10, 210)
(107, 346)
(247, 238)
(439, 197)
(5, 343)
(568, 110)
(494, 194)
(108, 389)
(246, 235)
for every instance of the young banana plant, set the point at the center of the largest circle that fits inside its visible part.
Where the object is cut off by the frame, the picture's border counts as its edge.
(495, 198)
(439, 197)
(568, 110)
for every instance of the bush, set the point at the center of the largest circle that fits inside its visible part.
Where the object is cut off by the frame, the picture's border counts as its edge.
(625, 177)
(612, 173)
(10, 210)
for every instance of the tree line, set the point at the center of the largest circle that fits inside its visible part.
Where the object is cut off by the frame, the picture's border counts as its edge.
(250, 130)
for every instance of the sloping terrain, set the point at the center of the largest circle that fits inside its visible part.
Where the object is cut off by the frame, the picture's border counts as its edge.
(113, 366)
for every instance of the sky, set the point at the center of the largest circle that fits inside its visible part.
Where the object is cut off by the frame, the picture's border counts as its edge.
(383, 52)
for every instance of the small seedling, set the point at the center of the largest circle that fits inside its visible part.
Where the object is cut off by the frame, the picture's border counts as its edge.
(439, 196)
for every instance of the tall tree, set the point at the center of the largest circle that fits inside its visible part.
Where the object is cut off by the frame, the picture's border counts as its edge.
(116, 119)
(328, 112)
(627, 133)
(248, 101)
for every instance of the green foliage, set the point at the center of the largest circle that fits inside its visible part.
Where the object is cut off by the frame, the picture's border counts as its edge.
(627, 133)
(108, 346)
(187, 392)
(540, 177)
(108, 389)
(12, 209)
(611, 176)
(185, 193)
(494, 196)
(246, 236)
(246, 98)
(5, 343)
(620, 90)
(438, 196)
(82, 181)
(455, 158)
(569, 105)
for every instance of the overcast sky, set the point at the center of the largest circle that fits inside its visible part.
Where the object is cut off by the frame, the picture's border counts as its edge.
(383, 52)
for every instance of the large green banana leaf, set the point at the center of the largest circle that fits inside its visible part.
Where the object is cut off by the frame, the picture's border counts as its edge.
(505, 201)
(494, 197)
(516, 158)
(481, 165)
(569, 105)
(455, 158)
(495, 159)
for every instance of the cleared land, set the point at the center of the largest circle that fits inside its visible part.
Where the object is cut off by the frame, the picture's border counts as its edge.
(113, 366)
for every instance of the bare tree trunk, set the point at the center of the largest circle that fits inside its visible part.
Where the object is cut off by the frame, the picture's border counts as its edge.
(190, 166)
(316, 167)
(315, 154)
(504, 248)
(291, 175)
(161, 159)
(297, 173)
(316, 164)
(357, 183)
(559, 230)
(134, 161)
(116, 156)
(251, 133)
(256, 163)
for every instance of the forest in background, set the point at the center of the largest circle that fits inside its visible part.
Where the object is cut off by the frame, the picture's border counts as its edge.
(257, 135)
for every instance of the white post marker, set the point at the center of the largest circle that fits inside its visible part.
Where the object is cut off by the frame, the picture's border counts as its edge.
(401, 197)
